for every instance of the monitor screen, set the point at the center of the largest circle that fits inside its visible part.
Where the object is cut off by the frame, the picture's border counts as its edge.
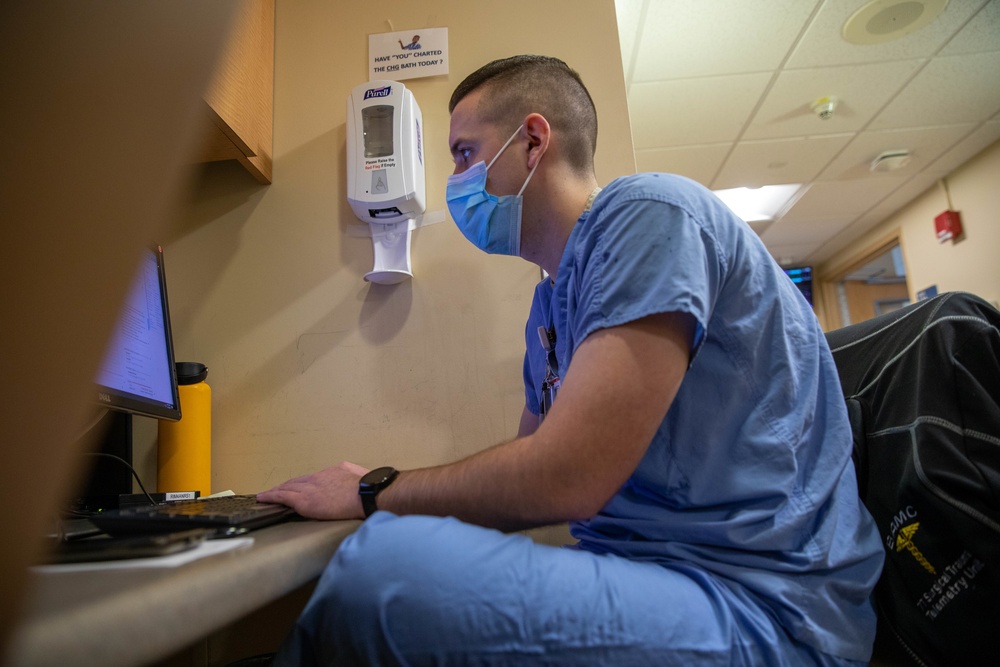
(138, 374)
(802, 277)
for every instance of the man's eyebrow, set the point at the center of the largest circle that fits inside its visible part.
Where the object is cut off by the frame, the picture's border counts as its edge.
(458, 142)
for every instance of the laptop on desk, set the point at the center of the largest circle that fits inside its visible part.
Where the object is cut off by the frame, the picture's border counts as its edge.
(227, 515)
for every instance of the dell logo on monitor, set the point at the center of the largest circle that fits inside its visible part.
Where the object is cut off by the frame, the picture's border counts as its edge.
(103, 398)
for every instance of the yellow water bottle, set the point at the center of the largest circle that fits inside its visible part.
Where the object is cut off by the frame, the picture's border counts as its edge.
(184, 450)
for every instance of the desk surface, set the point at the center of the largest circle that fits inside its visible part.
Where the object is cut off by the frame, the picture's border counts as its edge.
(135, 616)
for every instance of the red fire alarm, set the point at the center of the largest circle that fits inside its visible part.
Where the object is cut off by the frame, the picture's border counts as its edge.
(948, 226)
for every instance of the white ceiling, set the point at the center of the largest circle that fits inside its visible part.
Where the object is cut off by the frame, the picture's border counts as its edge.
(722, 91)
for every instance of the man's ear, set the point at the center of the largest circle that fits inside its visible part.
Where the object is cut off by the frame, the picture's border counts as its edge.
(539, 133)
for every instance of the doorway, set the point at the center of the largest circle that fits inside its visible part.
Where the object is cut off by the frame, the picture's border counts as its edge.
(876, 287)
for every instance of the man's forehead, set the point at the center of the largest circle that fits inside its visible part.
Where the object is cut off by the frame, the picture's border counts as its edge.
(465, 121)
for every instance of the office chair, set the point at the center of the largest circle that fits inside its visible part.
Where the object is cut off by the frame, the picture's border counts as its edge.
(922, 386)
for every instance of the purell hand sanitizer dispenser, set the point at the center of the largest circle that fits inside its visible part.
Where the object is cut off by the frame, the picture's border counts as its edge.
(385, 172)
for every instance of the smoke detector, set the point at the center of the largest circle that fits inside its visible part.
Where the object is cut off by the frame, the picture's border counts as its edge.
(824, 107)
(885, 20)
(890, 161)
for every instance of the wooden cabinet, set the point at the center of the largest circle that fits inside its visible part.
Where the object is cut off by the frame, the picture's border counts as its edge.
(240, 101)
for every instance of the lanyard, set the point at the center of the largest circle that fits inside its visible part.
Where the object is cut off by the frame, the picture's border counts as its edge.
(551, 384)
(547, 337)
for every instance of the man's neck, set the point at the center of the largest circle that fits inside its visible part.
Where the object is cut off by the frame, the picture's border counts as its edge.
(550, 231)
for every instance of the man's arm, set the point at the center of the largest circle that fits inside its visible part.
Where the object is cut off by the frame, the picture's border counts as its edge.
(614, 396)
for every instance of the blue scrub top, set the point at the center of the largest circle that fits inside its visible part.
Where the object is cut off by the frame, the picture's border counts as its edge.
(749, 477)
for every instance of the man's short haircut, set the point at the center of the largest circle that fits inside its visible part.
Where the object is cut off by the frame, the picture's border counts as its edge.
(517, 86)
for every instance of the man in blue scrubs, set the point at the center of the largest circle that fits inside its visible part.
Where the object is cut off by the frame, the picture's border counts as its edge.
(682, 412)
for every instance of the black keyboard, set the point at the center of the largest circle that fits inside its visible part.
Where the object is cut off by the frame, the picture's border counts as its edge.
(229, 515)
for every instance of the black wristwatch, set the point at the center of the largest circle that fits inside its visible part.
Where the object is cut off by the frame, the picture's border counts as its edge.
(372, 484)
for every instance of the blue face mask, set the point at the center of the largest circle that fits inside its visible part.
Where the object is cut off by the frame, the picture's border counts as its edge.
(492, 224)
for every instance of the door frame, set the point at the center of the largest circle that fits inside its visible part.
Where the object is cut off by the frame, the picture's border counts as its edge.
(827, 276)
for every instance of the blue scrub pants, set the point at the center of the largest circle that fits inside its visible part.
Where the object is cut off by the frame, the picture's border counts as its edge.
(429, 591)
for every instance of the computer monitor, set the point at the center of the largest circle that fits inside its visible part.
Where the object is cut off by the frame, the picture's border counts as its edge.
(802, 277)
(137, 377)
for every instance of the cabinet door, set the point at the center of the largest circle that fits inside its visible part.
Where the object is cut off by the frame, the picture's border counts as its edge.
(240, 99)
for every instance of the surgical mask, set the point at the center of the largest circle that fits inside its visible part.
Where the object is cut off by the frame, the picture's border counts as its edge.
(492, 224)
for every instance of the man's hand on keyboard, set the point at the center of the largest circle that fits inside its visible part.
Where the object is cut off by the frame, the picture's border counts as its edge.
(328, 494)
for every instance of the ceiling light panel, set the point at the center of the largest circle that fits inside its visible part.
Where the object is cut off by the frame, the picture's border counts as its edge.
(759, 204)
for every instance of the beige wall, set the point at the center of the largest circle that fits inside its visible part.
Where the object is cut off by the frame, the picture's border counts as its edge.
(308, 363)
(973, 263)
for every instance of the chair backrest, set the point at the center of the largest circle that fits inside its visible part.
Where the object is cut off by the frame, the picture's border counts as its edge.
(922, 386)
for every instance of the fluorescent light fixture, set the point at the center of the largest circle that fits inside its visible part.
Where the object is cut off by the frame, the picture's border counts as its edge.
(760, 204)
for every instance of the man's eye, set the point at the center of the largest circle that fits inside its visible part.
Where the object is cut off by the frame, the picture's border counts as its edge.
(465, 153)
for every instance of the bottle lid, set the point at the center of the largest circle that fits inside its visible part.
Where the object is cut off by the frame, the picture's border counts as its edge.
(190, 372)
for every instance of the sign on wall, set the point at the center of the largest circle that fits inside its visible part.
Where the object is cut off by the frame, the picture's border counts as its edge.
(395, 56)
(927, 293)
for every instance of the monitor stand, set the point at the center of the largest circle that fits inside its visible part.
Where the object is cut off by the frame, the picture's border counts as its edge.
(108, 478)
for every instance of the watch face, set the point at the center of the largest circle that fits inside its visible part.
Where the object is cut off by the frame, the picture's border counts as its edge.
(379, 476)
(371, 484)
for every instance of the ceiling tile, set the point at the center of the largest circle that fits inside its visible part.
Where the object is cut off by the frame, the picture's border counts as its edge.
(629, 13)
(813, 231)
(848, 198)
(688, 38)
(982, 33)
(693, 111)
(799, 160)
(760, 226)
(925, 145)
(789, 255)
(700, 163)
(969, 147)
(842, 239)
(721, 91)
(948, 90)
(912, 189)
(823, 44)
(861, 90)
(876, 216)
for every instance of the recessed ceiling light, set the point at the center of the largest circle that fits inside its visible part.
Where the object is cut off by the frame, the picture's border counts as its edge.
(885, 20)
(767, 202)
